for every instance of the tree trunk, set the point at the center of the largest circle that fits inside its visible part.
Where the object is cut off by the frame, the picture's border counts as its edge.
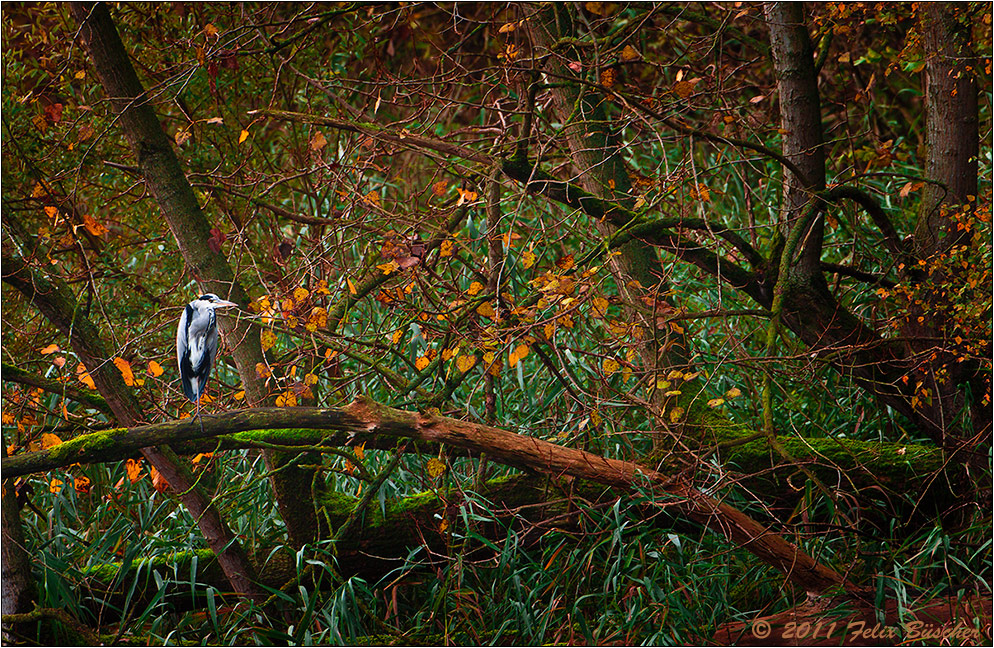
(19, 593)
(164, 177)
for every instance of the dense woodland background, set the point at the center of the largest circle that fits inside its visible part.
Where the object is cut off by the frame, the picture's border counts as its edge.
(598, 323)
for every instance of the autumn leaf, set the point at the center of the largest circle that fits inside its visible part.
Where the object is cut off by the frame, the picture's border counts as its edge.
(683, 89)
(93, 227)
(474, 288)
(125, 368)
(155, 369)
(599, 306)
(268, 339)
(318, 319)
(134, 469)
(84, 377)
(318, 142)
(82, 485)
(716, 402)
(300, 294)
(565, 263)
(629, 53)
(372, 198)
(528, 259)
(447, 248)
(439, 188)
(466, 196)
(55, 486)
(435, 468)
(159, 482)
(49, 440)
(389, 268)
(51, 348)
(262, 371)
(609, 77)
(517, 354)
(421, 363)
(676, 414)
(210, 30)
(243, 136)
(733, 392)
(465, 362)
(486, 309)
(610, 365)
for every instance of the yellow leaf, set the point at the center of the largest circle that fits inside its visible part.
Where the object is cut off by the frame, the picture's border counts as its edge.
(733, 392)
(80, 75)
(465, 362)
(447, 248)
(318, 319)
(676, 414)
(610, 365)
(448, 354)
(596, 8)
(286, 399)
(421, 363)
(210, 30)
(55, 486)
(310, 379)
(134, 469)
(486, 310)
(673, 392)
(51, 348)
(506, 28)
(390, 267)
(715, 402)
(262, 371)
(474, 288)
(268, 339)
(599, 305)
(352, 290)
(155, 369)
(372, 198)
(300, 294)
(528, 259)
(435, 468)
(84, 377)
(125, 368)
(566, 321)
(397, 335)
(49, 440)
(549, 330)
(38, 191)
(318, 142)
(239, 395)
(443, 525)
(676, 374)
(488, 357)
(322, 288)
(629, 53)
(242, 136)
(517, 354)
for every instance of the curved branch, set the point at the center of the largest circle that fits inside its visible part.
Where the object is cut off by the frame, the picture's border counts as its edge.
(367, 420)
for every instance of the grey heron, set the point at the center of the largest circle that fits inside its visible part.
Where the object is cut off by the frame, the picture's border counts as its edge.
(196, 344)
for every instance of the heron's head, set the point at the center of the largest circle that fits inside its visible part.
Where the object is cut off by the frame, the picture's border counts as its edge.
(210, 300)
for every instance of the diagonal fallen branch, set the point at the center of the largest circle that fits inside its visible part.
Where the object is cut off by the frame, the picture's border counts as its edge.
(367, 420)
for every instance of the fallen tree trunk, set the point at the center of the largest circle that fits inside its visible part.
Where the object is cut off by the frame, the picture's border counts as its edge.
(367, 420)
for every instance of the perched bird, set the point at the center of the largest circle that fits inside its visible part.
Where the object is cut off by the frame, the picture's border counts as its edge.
(196, 344)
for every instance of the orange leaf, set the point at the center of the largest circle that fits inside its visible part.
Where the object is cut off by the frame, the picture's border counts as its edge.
(134, 469)
(267, 338)
(465, 362)
(51, 348)
(262, 371)
(486, 310)
(55, 485)
(125, 368)
(82, 485)
(421, 363)
(155, 369)
(84, 377)
(159, 482)
(446, 249)
(242, 136)
(92, 226)
(474, 288)
(439, 188)
(352, 290)
(49, 440)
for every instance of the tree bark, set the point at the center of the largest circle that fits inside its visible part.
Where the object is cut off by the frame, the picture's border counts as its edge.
(164, 177)
(800, 119)
(19, 593)
(55, 301)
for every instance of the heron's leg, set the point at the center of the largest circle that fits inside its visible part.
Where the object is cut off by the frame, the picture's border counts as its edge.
(199, 416)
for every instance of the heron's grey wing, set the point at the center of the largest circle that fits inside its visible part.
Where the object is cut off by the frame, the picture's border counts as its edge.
(186, 372)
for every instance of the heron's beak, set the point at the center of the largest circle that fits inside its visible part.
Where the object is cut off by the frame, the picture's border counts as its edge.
(222, 303)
